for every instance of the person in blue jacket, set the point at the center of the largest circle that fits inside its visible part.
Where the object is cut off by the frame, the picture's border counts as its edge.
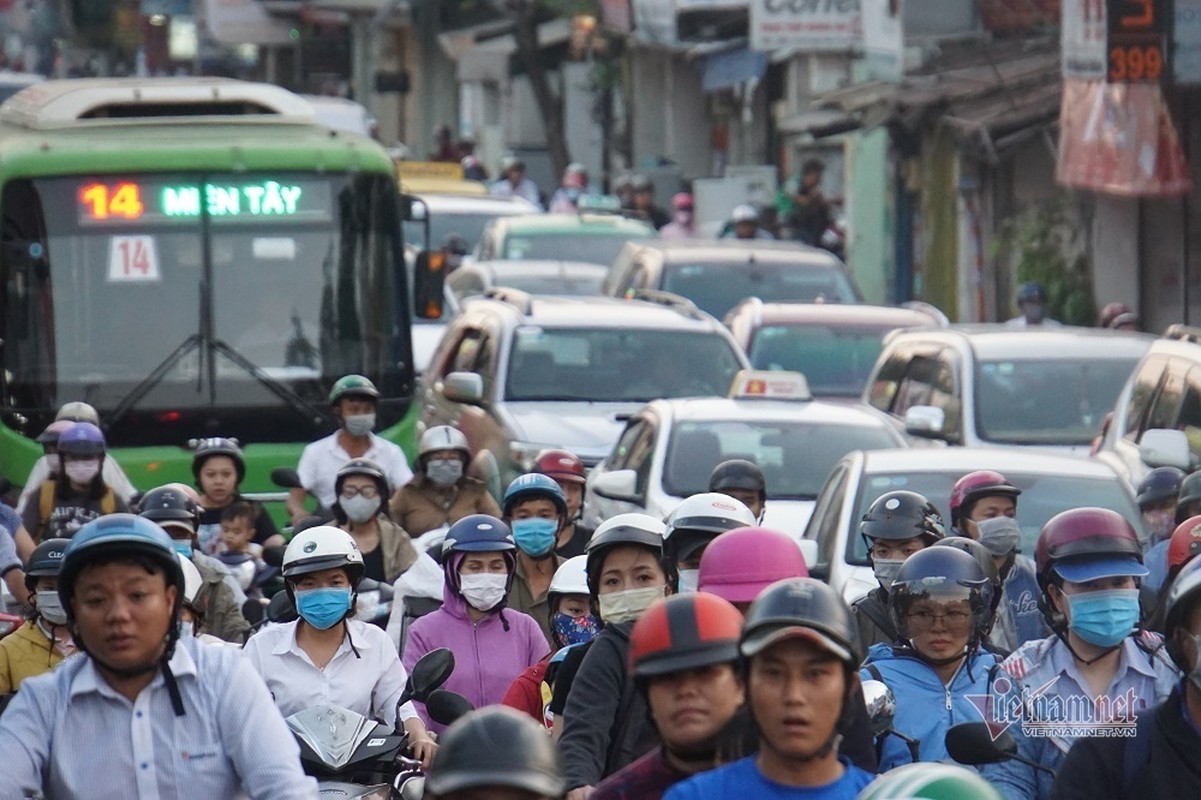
(941, 604)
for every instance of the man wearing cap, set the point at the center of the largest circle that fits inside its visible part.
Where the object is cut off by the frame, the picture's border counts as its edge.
(744, 224)
(1098, 670)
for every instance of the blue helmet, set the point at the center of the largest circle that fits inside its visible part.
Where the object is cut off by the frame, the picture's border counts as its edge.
(81, 439)
(478, 533)
(1161, 483)
(534, 484)
(1031, 291)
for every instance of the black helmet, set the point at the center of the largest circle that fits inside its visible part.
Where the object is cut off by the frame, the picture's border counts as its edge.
(901, 515)
(204, 449)
(1181, 599)
(45, 561)
(801, 606)
(168, 504)
(496, 747)
(987, 563)
(638, 529)
(1190, 492)
(738, 473)
(941, 572)
(367, 468)
(1161, 483)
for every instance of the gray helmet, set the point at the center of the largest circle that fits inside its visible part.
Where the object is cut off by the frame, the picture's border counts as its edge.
(496, 747)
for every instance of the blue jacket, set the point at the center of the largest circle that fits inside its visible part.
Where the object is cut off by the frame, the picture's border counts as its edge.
(1018, 618)
(926, 707)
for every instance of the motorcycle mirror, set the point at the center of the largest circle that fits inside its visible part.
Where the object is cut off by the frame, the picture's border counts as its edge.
(431, 671)
(286, 477)
(881, 706)
(444, 707)
(273, 556)
(973, 743)
(281, 609)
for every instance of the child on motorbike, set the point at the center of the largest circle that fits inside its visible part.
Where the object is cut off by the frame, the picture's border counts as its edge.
(218, 469)
(239, 551)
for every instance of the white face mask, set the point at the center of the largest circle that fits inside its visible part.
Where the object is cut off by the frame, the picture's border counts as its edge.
(483, 591)
(359, 508)
(627, 604)
(886, 570)
(82, 471)
(186, 629)
(688, 580)
(1001, 535)
(50, 606)
(359, 424)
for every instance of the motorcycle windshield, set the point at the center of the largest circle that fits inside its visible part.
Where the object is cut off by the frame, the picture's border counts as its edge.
(332, 732)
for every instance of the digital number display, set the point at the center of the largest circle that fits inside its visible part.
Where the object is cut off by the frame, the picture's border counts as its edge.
(1137, 41)
(163, 201)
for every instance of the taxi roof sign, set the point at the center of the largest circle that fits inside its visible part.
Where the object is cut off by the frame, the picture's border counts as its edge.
(761, 384)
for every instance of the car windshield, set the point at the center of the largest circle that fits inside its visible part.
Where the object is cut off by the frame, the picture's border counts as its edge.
(1043, 496)
(468, 225)
(835, 360)
(618, 364)
(717, 286)
(796, 457)
(1047, 401)
(595, 247)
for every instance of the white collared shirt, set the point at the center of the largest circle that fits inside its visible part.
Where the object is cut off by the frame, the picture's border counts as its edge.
(69, 734)
(321, 460)
(369, 684)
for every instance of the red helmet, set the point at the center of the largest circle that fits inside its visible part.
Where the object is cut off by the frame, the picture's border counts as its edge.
(684, 631)
(560, 465)
(741, 563)
(1087, 537)
(1184, 544)
(975, 485)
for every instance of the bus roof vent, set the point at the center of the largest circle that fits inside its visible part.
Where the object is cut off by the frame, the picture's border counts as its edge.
(66, 103)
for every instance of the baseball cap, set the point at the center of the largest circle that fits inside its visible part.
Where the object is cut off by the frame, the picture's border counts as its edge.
(1090, 569)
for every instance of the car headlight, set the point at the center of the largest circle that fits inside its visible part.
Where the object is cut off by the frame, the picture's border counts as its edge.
(524, 455)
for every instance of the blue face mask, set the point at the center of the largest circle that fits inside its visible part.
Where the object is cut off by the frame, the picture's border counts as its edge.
(1104, 618)
(535, 536)
(183, 547)
(574, 630)
(323, 608)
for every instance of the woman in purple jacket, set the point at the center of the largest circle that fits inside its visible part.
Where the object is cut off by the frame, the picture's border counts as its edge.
(492, 644)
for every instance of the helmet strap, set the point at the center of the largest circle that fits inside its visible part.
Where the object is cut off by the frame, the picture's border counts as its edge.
(1088, 662)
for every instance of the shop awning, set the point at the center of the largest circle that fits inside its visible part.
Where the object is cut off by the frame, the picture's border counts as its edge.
(732, 68)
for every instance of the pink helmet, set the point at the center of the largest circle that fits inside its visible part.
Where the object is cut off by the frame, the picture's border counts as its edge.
(741, 563)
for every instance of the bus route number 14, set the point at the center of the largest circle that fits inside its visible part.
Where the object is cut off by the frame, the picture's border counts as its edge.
(132, 258)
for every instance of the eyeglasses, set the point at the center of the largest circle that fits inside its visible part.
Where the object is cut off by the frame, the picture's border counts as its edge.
(923, 621)
(370, 492)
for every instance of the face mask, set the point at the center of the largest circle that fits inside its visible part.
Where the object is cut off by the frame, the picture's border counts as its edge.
(688, 580)
(535, 536)
(444, 472)
(1104, 618)
(183, 547)
(574, 630)
(50, 606)
(628, 604)
(323, 608)
(82, 471)
(1001, 535)
(359, 508)
(359, 424)
(886, 570)
(1159, 524)
(483, 591)
(187, 629)
(682, 217)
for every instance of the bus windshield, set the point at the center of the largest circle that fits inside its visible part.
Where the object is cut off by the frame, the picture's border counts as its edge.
(202, 302)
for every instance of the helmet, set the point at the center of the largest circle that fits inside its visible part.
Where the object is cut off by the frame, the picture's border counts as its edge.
(739, 564)
(1184, 544)
(352, 386)
(322, 547)
(476, 533)
(1083, 544)
(639, 529)
(699, 519)
(1031, 291)
(368, 468)
(81, 439)
(684, 632)
(496, 747)
(901, 515)
(682, 201)
(1181, 598)
(1161, 483)
(45, 561)
(1190, 492)
(641, 183)
(511, 161)
(976, 485)
(987, 564)
(455, 243)
(570, 578)
(738, 473)
(1111, 314)
(168, 504)
(744, 213)
(442, 437)
(78, 411)
(115, 535)
(204, 449)
(801, 606)
(941, 572)
(575, 168)
(53, 431)
(560, 465)
(191, 579)
(534, 484)
(930, 781)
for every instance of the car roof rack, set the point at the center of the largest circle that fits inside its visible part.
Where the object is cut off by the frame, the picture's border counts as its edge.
(670, 299)
(1183, 333)
(522, 301)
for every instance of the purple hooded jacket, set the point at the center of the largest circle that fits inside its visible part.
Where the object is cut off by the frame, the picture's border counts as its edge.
(489, 655)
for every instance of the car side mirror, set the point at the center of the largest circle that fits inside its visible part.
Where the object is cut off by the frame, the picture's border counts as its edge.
(809, 552)
(925, 421)
(1164, 447)
(463, 387)
(620, 484)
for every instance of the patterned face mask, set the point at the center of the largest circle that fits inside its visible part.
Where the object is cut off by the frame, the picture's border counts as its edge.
(570, 630)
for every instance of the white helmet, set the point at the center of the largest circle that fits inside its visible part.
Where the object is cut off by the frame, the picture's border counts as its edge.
(571, 577)
(745, 213)
(191, 579)
(443, 437)
(323, 547)
(711, 512)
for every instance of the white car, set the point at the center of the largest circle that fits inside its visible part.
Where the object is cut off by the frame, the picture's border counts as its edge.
(670, 447)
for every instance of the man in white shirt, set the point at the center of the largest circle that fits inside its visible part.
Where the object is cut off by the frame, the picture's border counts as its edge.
(354, 400)
(514, 183)
(1032, 300)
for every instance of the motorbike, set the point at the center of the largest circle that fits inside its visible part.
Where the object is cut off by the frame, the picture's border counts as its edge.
(356, 757)
(976, 744)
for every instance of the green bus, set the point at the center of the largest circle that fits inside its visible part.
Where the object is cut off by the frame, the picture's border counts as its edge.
(194, 257)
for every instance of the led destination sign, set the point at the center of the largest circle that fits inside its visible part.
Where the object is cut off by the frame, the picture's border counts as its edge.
(104, 202)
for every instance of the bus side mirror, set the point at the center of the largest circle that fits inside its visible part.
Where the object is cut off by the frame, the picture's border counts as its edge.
(429, 284)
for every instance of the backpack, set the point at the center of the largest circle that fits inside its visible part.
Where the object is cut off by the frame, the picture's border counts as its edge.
(108, 505)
